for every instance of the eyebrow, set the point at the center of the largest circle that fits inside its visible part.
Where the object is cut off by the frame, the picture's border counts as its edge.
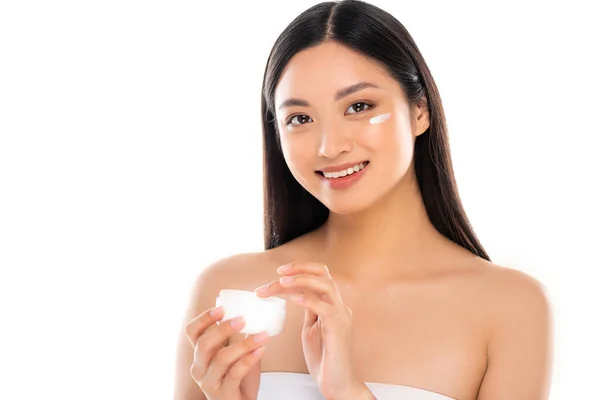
(340, 94)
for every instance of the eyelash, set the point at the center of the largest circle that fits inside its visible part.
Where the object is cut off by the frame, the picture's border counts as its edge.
(369, 106)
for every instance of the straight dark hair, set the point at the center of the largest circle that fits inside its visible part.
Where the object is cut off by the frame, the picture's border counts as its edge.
(289, 210)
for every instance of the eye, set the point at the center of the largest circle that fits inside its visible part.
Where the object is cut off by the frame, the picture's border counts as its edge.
(359, 107)
(302, 118)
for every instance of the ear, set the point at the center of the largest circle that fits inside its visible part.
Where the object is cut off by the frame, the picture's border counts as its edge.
(421, 116)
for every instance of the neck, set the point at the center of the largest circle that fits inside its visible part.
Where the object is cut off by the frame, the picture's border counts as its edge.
(392, 238)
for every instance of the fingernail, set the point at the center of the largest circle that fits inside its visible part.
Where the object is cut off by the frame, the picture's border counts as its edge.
(262, 289)
(216, 311)
(261, 337)
(286, 280)
(284, 268)
(258, 352)
(237, 322)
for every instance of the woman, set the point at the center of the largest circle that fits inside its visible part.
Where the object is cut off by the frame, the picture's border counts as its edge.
(390, 294)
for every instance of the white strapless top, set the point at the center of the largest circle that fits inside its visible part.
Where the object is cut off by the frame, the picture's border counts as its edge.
(299, 386)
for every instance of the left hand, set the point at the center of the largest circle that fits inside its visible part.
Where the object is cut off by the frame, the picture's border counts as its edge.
(327, 328)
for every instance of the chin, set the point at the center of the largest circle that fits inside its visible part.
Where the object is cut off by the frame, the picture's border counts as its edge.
(347, 205)
(345, 210)
(352, 202)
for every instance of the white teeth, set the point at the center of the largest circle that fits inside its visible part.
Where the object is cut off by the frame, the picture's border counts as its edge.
(344, 172)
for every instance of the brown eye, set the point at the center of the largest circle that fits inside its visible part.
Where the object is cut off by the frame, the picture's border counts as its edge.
(359, 107)
(301, 118)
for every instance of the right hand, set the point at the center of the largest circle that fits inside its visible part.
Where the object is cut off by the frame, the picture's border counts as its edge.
(224, 372)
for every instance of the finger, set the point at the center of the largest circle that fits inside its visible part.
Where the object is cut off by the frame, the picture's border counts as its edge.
(316, 284)
(314, 307)
(310, 317)
(232, 363)
(322, 286)
(226, 357)
(233, 378)
(198, 325)
(285, 283)
(289, 285)
(312, 268)
(238, 371)
(265, 290)
(275, 288)
(311, 312)
(212, 341)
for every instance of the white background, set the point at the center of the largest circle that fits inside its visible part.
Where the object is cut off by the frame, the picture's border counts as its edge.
(130, 158)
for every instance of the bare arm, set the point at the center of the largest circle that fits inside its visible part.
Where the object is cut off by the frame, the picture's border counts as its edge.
(203, 295)
(185, 386)
(520, 350)
(231, 272)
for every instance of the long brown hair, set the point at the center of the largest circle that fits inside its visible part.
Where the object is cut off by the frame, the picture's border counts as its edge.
(289, 210)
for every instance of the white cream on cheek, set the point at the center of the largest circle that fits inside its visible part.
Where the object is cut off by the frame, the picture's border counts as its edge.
(380, 118)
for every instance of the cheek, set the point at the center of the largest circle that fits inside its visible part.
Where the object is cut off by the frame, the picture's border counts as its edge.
(402, 144)
(389, 138)
(392, 145)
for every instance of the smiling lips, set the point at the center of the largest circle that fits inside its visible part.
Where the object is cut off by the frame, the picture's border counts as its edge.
(343, 170)
(342, 176)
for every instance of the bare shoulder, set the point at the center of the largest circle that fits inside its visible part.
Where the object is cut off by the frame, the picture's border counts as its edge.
(244, 271)
(520, 342)
(247, 271)
(509, 288)
(508, 294)
(240, 271)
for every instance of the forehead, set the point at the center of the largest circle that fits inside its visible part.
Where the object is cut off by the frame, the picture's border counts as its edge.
(324, 69)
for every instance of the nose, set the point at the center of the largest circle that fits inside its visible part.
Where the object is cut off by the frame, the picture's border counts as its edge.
(334, 141)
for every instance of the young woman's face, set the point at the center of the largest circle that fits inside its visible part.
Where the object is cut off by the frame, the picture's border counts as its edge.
(322, 126)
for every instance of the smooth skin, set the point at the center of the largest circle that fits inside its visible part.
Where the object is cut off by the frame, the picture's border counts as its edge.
(224, 372)
(327, 328)
(425, 312)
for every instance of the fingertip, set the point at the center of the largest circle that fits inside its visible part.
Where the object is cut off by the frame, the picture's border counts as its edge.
(217, 312)
(258, 352)
(284, 269)
(238, 322)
